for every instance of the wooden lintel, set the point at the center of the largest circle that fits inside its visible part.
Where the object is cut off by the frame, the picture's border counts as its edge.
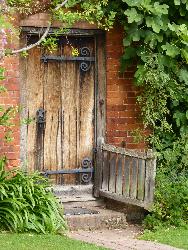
(75, 32)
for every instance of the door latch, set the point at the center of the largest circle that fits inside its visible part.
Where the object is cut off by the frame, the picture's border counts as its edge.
(41, 116)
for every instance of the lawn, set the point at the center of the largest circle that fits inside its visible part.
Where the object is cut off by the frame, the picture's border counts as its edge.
(42, 242)
(176, 237)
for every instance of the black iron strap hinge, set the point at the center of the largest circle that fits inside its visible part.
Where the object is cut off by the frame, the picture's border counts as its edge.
(86, 171)
(84, 58)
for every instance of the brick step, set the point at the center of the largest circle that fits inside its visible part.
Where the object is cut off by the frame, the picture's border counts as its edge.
(100, 218)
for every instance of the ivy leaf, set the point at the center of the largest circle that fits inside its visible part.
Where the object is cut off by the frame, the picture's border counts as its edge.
(173, 27)
(160, 9)
(183, 76)
(127, 41)
(177, 2)
(133, 36)
(133, 15)
(175, 103)
(130, 52)
(150, 22)
(126, 59)
(140, 75)
(171, 50)
(165, 60)
(182, 11)
(179, 117)
(157, 23)
(135, 3)
(184, 2)
(153, 38)
(184, 54)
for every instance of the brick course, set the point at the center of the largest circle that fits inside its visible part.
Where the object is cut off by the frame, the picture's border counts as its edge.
(122, 111)
(11, 99)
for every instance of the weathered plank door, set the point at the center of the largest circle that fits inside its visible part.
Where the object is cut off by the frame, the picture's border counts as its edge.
(58, 97)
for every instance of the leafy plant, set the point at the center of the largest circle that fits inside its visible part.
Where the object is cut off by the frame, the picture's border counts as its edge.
(171, 202)
(26, 204)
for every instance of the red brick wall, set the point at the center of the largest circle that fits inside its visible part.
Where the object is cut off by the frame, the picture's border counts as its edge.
(11, 99)
(122, 111)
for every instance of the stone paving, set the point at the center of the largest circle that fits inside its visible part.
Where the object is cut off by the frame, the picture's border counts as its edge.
(119, 239)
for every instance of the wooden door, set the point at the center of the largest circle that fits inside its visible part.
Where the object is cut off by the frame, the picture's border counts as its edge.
(58, 88)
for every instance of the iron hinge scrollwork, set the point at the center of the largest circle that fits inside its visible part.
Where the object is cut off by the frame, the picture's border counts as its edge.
(85, 65)
(85, 59)
(87, 164)
(86, 171)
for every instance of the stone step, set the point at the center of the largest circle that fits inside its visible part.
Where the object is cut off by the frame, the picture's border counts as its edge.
(94, 218)
(72, 190)
(83, 202)
(76, 195)
(83, 211)
(76, 198)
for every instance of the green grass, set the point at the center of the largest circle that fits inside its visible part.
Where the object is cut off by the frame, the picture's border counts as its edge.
(176, 237)
(42, 242)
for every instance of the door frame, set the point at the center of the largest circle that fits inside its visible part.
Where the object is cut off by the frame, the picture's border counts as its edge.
(99, 88)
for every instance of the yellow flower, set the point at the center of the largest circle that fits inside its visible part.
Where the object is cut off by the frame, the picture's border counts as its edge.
(75, 52)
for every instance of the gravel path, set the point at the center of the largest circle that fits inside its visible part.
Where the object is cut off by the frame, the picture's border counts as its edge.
(121, 239)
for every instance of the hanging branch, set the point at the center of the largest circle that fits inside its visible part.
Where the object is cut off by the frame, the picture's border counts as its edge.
(61, 5)
(43, 36)
(35, 44)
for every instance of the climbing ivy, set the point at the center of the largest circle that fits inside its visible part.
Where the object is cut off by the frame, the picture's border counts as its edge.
(156, 37)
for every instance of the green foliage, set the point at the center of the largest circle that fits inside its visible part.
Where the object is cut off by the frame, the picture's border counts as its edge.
(162, 72)
(26, 204)
(171, 201)
(50, 43)
(2, 70)
(19, 2)
(96, 11)
(171, 197)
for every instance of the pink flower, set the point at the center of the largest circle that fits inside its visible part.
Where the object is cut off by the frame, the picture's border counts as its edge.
(4, 41)
(4, 37)
(2, 31)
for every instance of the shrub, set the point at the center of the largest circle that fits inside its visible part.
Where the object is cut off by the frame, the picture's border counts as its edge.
(171, 201)
(26, 204)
